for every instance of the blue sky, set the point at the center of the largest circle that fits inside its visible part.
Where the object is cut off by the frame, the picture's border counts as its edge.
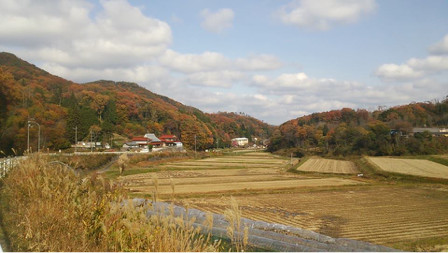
(274, 60)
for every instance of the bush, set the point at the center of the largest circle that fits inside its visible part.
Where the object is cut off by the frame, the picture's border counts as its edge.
(50, 208)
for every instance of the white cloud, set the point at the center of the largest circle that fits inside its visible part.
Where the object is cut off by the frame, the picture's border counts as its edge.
(258, 62)
(323, 14)
(296, 94)
(34, 24)
(413, 68)
(213, 61)
(223, 79)
(64, 32)
(300, 82)
(189, 63)
(440, 47)
(392, 72)
(138, 74)
(218, 21)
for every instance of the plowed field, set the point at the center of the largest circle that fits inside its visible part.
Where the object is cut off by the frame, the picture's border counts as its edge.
(322, 165)
(415, 167)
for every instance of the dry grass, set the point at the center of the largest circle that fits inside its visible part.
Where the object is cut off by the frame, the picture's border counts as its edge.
(322, 165)
(123, 161)
(50, 208)
(416, 167)
(237, 234)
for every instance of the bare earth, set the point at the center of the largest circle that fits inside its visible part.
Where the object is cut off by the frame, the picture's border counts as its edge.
(416, 167)
(322, 165)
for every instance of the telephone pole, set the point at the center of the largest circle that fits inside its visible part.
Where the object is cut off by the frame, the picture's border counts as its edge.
(38, 138)
(91, 141)
(76, 137)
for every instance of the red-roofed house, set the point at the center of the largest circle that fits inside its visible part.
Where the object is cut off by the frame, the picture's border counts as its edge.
(169, 140)
(141, 141)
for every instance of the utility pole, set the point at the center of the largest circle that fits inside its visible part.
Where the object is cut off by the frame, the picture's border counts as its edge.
(38, 138)
(194, 146)
(76, 137)
(28, 141)
(91, 141)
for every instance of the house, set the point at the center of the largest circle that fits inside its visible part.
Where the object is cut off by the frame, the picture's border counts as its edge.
(239, 142)
(169, 140)
(141, 141)
(155, 142)
(434, 131)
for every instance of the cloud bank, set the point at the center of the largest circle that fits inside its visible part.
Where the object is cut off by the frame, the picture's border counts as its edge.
(83, 41)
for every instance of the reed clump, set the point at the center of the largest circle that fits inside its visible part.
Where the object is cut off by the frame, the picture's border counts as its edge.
(123, 161)
(48, 207)
(238, 234)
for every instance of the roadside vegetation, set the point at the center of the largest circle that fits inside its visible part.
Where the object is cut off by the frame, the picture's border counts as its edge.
(84, 162)
(47, 207)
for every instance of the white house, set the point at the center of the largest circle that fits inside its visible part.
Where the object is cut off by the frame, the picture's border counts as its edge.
(239, 142)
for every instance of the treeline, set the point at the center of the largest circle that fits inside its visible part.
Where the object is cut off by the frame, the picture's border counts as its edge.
(381, 132)
(100, 110)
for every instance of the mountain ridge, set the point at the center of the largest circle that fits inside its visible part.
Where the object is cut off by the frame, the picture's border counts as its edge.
(104, 107)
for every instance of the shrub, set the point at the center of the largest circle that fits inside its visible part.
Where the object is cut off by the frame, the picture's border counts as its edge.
(85, 162)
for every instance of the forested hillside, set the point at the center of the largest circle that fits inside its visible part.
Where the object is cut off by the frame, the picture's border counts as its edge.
(381, 132)
(102, 108)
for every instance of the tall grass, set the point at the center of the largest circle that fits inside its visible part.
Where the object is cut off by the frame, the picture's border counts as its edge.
(50, 208)
(238, 234)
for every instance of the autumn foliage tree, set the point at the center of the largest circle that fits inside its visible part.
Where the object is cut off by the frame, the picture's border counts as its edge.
(65, 109)
(381, 132)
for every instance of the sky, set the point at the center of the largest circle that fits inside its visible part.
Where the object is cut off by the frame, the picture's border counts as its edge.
(275, 60)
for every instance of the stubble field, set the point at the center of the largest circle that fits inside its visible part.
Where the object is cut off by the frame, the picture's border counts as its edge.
(416, 167)
(322, 165)
(248, 172)
(386, 215)
(405, 216)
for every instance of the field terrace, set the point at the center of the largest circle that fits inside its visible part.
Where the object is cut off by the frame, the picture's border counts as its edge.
(328, 197)
(249, 172)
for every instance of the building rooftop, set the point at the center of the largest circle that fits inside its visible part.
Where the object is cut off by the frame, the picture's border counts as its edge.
(153, 137)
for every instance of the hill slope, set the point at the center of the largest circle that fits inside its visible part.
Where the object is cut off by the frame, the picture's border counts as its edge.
(381, 132)
(103, 108)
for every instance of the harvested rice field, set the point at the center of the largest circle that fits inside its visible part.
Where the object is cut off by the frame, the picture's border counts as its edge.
(322, 165)
(416, 167)
(219, 184)
(411, 217)
(243, 172)
(392, 216)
